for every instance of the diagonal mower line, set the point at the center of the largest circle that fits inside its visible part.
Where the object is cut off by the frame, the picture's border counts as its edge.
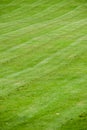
(49, 21)
(46, 60)
(25, 26)
(44, 11)
(46, 34)
(18, 9)
(13, 87)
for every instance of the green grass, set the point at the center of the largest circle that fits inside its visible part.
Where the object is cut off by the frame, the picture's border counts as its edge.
(43, 65)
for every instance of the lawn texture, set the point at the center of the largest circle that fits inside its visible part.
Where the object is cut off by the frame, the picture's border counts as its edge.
(43, 64)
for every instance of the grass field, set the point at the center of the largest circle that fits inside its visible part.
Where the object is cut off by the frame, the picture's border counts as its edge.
(43, 64)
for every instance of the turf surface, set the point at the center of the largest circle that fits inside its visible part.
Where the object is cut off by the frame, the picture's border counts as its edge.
(43, 65)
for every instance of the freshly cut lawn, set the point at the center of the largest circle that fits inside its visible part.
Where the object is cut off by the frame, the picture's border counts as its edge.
(43, 64)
